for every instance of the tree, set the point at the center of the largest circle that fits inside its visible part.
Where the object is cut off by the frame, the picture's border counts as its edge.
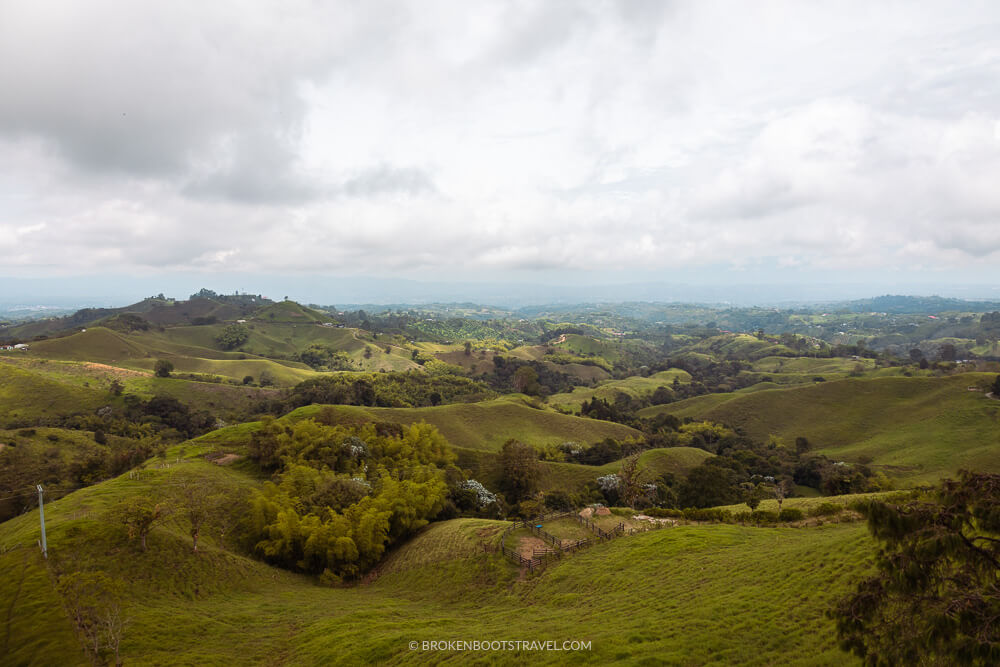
(935, 597)
(526, 380)
(780, 491)
(753, 496)
(519, 464)
(247, 379)
(995, 388)
(468, 348)
(116, 387)
(634, 481)
(708, 485)
(195, 505)
(94, 603)
(368, 352)
(233, 336)
(140, 514)
(163, 368)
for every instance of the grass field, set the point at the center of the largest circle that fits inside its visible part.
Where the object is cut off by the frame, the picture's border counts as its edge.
(917, 430)
(487, 425)
(635, 386)
(810, 365)
(588, 346)
(709, 594)
(48, 380)
(573, 477)
(28, 395)
(141, 351)
(737, 346)
(443, 542)
(284, 339)
(808, 504)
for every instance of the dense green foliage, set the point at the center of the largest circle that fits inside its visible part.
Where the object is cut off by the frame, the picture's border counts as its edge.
(342, 495)
(233, 336)
(936, 596)
(411, 389)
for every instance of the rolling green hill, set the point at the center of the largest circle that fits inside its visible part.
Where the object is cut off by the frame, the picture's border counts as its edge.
(487, 425)
(917, 429)
(734, 346)
(289, 311)
(45, 380)
(706, 586)
(141, 351)
(634, 386)
(574, 476)
(27, 395)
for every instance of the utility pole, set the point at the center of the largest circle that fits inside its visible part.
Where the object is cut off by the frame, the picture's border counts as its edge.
(41, 516)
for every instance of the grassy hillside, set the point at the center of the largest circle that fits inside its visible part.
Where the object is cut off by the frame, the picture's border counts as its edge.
(289, 311)
(36, 630)
(635, 386)
(486, 426)
(573, 476)
(738, 346)
(733, 595)
(918, 429)
(94, 380)
(442, 542)
(141, 351)
(587, 346)
(27, 395)
(281, 374)
(282, 339)
(811, 366)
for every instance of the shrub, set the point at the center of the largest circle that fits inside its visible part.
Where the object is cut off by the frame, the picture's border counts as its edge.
(706, 514)
(791, 514)
(826, 509)
(664, 512)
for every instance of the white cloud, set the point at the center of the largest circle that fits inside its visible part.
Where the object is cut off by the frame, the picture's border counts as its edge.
(460, 137)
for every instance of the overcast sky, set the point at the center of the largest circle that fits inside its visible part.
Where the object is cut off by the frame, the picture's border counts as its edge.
(539, 140)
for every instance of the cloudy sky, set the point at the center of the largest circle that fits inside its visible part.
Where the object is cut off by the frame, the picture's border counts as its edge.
(542, 140)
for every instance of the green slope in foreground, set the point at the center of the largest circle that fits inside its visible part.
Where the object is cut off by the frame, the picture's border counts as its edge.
(917, 429)
(701, 594)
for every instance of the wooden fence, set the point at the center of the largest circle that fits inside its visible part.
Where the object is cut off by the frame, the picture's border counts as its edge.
(539, 557)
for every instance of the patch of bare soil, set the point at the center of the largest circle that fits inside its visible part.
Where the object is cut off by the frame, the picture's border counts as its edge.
(114, 370)
(226, 460)
(527, 545)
